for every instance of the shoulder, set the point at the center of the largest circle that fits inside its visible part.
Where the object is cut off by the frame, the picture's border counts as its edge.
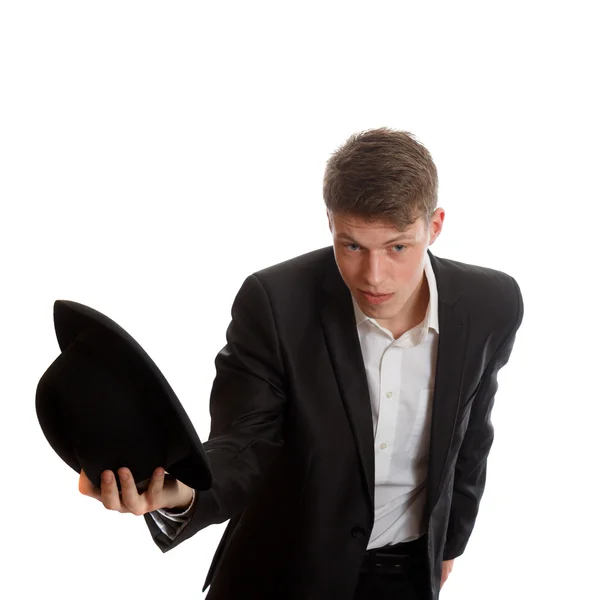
(291, 284)
(475, 279)
(300, 273)
(488, 292)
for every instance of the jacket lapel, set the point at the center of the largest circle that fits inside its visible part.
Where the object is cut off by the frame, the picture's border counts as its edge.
(341, 335)
(452, 347)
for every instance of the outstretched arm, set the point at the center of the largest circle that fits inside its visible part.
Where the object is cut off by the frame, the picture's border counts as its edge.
(247, 405)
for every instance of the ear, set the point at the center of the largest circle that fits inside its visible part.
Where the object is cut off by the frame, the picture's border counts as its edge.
(436, 225)
(328, 219)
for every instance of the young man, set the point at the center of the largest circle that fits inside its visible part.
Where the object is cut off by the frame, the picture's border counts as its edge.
(350, 412)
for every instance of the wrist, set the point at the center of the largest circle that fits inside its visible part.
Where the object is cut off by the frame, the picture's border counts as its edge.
(184, 502)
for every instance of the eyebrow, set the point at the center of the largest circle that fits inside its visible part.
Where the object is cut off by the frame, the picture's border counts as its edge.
(404, 237)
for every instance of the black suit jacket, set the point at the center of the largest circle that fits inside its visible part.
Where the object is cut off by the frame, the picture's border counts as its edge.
(291, 443)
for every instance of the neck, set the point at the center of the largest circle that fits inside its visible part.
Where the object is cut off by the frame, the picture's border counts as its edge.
(416, 311)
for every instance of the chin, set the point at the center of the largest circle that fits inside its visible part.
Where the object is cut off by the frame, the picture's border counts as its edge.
(371, 311)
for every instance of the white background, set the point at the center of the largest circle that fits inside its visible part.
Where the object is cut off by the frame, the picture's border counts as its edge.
(153, 155)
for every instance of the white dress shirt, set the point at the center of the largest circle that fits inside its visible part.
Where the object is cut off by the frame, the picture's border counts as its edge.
(400, 376)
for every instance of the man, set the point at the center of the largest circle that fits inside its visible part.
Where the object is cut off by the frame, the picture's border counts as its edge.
(350, 412)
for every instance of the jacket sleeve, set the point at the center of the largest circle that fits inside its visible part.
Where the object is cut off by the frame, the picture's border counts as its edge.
(247, 404)
(470, 470)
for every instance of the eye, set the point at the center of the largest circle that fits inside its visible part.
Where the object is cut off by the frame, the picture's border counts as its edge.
(349, 248)
(399, 246)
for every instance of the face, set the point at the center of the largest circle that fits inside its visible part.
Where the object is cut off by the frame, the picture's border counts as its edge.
(383, 268)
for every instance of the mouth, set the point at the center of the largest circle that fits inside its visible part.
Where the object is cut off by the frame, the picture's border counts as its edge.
(375, 298)
(373, 293)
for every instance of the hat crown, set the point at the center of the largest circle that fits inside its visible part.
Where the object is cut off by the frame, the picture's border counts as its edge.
(104, 404)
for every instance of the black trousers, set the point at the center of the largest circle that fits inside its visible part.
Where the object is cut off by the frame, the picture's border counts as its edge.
(397, 572)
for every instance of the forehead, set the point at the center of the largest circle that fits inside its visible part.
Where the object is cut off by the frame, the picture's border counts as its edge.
(350, 225)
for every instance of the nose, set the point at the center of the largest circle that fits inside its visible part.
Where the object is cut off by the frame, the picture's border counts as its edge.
(373, 270)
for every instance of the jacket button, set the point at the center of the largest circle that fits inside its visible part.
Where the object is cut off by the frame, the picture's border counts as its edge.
(358, 532)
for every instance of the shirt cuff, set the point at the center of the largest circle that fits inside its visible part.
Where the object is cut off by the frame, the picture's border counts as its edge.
(178, 515)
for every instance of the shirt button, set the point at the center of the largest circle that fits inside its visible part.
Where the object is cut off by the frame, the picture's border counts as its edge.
(383, 446)
(389, 394)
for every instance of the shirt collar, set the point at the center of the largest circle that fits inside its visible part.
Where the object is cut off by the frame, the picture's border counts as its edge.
(431, 316)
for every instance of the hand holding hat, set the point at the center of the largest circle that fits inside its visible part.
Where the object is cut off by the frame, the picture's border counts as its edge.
(103, 405)
(161, 491)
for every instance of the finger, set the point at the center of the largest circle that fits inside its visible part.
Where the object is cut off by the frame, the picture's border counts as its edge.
(109, 492)
(129, 495)
(87, 488)
(155, 488)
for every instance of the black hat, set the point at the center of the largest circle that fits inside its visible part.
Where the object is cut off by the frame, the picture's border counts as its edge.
(104, 404)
